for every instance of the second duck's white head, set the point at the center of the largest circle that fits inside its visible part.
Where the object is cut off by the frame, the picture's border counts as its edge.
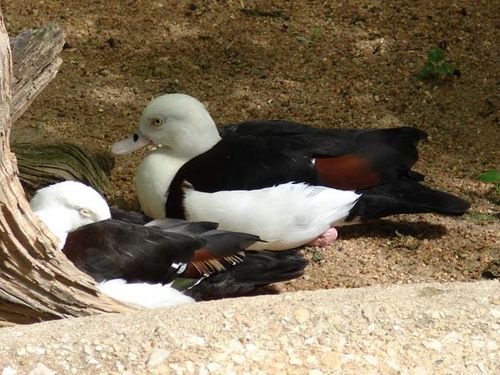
(178, 122)
(67, 206)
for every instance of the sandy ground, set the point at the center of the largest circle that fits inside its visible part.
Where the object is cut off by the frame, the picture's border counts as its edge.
(329, 64)
(405, 329)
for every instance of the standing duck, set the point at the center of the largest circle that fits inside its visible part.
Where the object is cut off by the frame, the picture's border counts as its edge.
(234, 174)
(146, 263)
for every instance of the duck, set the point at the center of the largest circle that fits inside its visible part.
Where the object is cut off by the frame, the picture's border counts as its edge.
(367, 172)
(156, 263)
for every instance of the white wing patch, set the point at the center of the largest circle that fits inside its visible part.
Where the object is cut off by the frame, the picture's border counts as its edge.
(144, 294)
(179, 267)
(286, 216)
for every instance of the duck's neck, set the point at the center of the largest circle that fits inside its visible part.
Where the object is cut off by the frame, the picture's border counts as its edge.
(158, 169)
(153, 178)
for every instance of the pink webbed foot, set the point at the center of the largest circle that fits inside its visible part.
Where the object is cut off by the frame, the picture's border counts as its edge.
(326, 238)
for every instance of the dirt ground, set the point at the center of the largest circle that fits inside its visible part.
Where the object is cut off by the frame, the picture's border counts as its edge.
(325, 63)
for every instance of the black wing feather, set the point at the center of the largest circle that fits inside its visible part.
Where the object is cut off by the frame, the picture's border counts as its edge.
(129, 216)
(113, 249)
(393, 151)
(224, 243)
(259, 268)
(183, 226)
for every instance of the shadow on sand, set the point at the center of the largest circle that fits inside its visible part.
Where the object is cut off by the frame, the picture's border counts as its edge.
(387, 229)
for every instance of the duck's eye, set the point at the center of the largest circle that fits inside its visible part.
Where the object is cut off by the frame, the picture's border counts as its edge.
(156, 122)
(85, 212)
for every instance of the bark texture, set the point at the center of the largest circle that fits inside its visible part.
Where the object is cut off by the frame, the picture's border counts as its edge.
(45, 164)
(35, 64)
(37, 282)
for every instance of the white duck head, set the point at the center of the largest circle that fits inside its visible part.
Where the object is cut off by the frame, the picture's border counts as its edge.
(68, 205)
(177, 122)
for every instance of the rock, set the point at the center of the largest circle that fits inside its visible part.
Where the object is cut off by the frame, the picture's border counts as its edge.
(41, 369)
(355, 331)
(157, 357)
(8, 371)
(301, 315)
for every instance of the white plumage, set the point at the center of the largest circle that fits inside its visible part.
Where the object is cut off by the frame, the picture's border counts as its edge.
(186, 130)
(153, 179)
(286, 216)
(144, 294)
(66, 206)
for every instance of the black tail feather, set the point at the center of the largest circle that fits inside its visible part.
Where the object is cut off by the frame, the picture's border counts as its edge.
(406, 196)
(394, 144)
(259, 268)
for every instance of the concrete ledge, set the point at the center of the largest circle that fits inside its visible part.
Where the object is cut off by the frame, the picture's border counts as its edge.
(406, 329)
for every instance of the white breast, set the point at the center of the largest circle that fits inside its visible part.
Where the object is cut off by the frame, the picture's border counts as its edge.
(153, 178)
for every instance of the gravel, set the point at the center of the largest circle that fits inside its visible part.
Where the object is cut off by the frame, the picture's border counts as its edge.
(451, 328)
(329, 64)
(338, 64)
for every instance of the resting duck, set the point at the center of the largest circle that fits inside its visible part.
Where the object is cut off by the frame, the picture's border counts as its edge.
(372, 167)
(146, 263)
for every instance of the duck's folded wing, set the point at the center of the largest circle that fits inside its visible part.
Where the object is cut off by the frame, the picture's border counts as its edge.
(348, 159)
(224, 243)
(129, 216)
(222, 250)
(183, 226)
(114, 249)
(329, 141)
(168, 224)
(257, 268)
(240, 164)
(245, 163)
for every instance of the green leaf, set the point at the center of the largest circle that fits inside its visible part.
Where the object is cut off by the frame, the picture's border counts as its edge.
(317, 32)
(317, 256)
(445, 68)
(183, 283)
(436, 55)
(482, 218)
(437, 67)
(427, 71)
(492, 175)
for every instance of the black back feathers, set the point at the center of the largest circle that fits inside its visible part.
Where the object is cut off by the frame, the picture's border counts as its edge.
(374, 162)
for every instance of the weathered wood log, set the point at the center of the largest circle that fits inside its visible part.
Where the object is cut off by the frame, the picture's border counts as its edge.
(37, 282)
(35, 64)
(41, 165)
